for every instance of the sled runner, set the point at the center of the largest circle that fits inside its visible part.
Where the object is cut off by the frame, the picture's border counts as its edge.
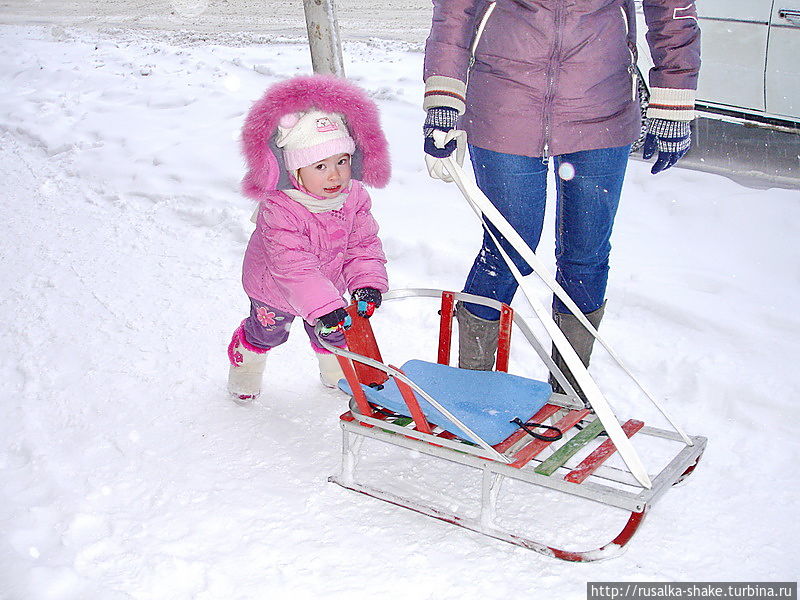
(507, 426)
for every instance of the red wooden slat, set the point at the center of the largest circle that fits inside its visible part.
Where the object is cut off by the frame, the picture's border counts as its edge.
(504, 338)
(524, 456)
(600, 454)
(547, 411)
(446, 328)
(413, 405)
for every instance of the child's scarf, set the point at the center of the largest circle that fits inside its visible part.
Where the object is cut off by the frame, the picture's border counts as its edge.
(317, 204)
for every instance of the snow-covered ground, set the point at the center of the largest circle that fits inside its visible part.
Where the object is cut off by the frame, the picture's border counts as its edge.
(128, 473)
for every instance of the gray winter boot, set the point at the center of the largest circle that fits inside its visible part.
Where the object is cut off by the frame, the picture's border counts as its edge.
(580, 339)
(477, 340)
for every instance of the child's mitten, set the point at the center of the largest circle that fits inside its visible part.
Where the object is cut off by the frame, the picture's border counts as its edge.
(334, 321)
(367, 299)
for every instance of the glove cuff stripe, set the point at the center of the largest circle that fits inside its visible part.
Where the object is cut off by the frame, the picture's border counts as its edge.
(445, 91)
(671, 104)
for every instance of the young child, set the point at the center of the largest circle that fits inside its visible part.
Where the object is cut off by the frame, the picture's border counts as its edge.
(309, 143)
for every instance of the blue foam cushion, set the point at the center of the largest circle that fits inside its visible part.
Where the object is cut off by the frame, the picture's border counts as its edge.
(485, 401)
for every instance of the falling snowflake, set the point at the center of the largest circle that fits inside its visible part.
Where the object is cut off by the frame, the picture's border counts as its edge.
(566, 171)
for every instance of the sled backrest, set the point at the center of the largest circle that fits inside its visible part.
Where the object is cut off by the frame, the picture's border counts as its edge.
(446, 332)
(361, 340)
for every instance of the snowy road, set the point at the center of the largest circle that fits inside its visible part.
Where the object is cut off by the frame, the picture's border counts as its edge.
(403, 20)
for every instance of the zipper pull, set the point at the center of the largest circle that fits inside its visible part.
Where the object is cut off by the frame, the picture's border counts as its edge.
(546, 153)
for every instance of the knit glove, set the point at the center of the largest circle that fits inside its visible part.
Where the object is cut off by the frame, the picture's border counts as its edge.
(672, 140)
(334, 321)
(443, 119)
(367, 300)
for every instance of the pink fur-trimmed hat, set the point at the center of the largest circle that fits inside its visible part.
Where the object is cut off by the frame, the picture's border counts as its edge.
(312, 136)
(324, 93)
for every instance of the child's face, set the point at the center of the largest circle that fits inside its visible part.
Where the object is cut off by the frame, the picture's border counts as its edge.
(327, 177)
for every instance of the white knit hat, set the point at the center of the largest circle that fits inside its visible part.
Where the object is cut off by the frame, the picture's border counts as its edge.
(309, 137)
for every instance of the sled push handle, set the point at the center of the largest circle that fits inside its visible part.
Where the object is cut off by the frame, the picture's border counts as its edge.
(488, 213)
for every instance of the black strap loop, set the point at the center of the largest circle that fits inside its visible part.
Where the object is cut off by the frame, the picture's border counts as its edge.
(545, 438)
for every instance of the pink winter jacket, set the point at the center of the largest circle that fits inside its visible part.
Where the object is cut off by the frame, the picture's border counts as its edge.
(303, 262)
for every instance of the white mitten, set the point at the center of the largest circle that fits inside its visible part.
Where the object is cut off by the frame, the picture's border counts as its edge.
(441, 139)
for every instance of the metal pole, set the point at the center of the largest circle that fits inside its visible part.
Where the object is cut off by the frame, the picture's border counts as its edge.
(323, 37)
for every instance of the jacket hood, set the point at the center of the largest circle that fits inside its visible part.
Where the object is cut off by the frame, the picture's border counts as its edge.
(265, 164)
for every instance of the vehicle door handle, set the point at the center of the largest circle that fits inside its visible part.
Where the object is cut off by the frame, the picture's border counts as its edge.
(793, 16)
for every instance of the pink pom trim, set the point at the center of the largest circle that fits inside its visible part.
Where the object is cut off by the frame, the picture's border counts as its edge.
(234, 356)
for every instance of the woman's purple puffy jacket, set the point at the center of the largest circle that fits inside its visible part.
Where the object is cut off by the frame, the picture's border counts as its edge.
(557, 76)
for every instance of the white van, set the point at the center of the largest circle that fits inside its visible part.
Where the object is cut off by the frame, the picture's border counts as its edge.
(750, 60)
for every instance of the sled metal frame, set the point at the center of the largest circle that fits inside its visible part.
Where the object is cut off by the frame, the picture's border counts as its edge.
(611, 486)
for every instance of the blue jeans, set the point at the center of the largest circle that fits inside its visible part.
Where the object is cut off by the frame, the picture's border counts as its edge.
(586, 204)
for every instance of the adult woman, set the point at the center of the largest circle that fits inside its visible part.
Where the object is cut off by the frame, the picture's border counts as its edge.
(553, 78)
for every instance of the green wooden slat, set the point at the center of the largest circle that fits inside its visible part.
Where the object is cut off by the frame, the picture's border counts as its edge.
(399, 421)
(570, 448)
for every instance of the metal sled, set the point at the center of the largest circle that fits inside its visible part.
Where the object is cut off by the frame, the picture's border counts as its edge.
(577, 464)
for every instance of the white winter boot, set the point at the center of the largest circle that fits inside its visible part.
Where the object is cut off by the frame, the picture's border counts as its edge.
(329, 370)
(247, 367)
